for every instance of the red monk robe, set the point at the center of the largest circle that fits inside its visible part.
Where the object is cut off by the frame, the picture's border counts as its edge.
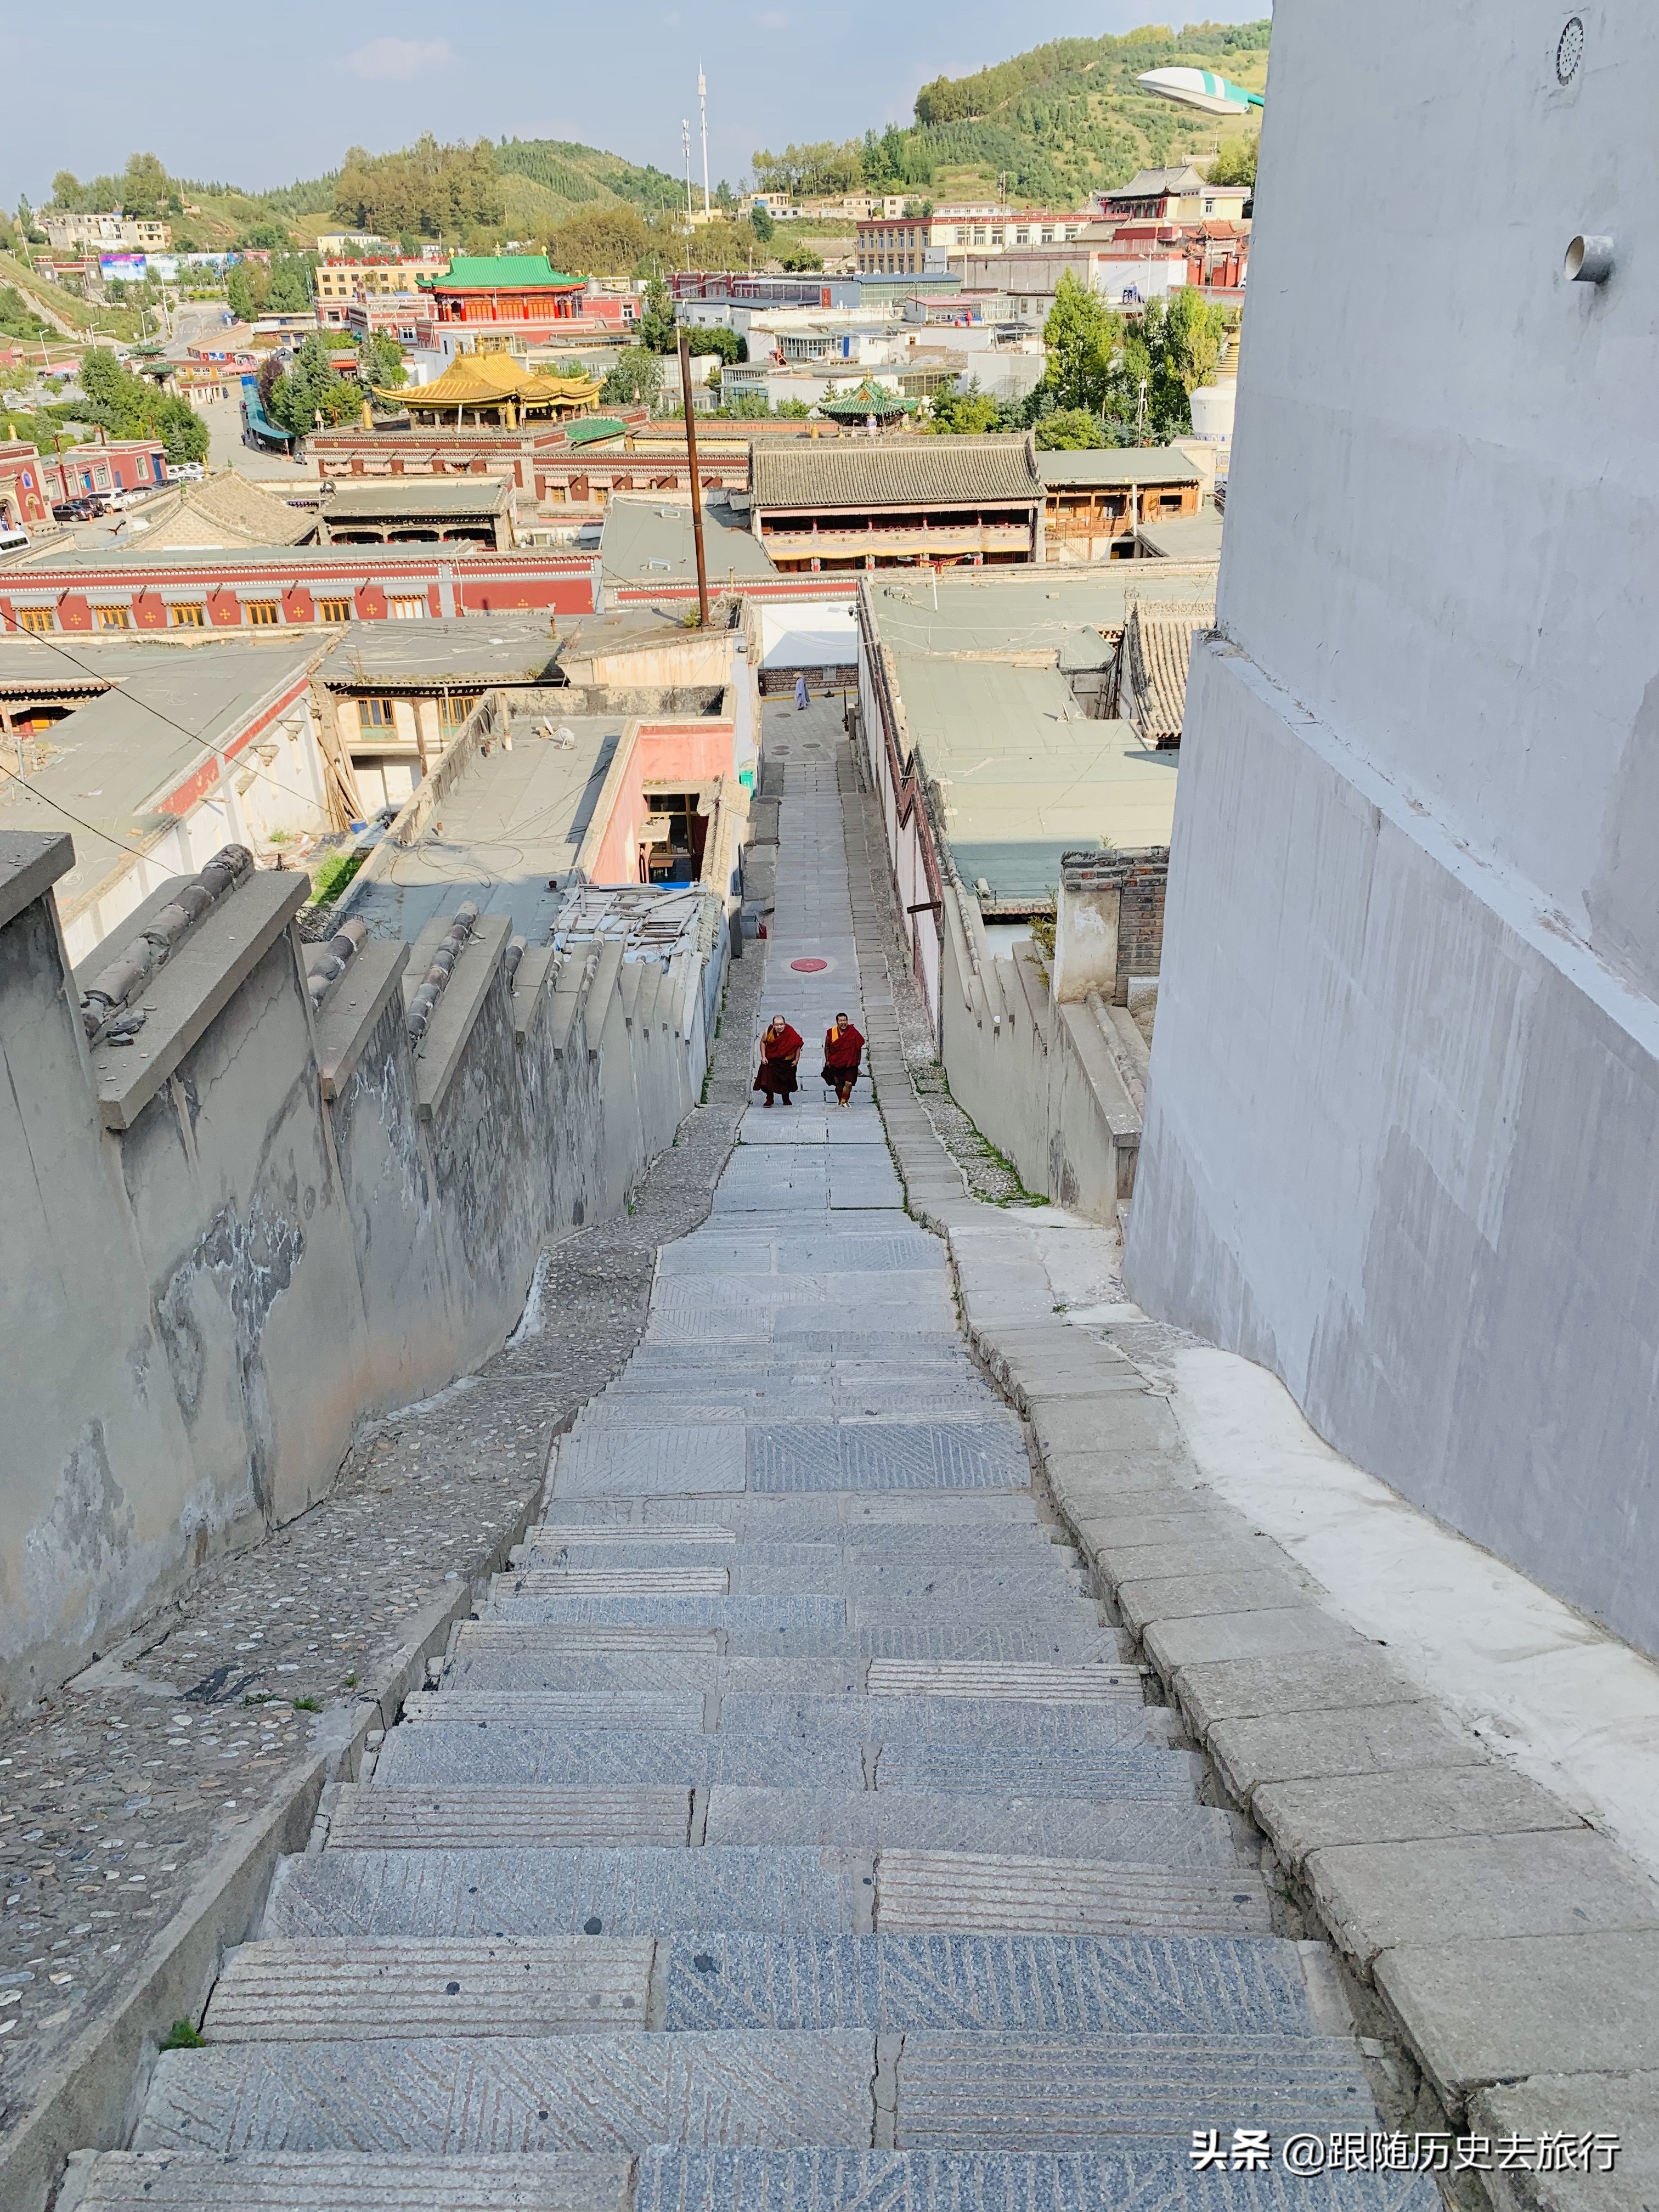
(843, 1049)
(780, 1068)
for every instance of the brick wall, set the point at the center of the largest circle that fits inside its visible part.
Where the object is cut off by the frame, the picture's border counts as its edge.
(1140, 879)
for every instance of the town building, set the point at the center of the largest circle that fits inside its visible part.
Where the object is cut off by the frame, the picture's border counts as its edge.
(877, 504)
(1096, 501)
(110, 466)
(105, 232)
(921, 246)
(1174, 195)
(27, 490)
(476, 510)
(357, 279)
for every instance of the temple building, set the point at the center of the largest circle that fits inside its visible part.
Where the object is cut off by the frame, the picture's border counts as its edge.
(522, 290)
(495, 388)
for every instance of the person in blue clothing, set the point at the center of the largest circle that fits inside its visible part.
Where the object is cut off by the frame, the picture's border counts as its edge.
(800, 695)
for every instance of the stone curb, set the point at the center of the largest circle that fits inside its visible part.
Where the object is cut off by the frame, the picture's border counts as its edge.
(1513, 1952)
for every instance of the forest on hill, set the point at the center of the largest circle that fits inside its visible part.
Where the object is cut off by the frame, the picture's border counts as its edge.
(1047, 127)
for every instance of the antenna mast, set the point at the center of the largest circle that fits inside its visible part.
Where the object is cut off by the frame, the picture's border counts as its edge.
(703, 109)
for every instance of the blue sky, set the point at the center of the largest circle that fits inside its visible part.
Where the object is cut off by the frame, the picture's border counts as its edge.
(261, 96)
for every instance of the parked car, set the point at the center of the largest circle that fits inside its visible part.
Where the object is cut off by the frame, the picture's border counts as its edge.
(12, 539)
(186, 472)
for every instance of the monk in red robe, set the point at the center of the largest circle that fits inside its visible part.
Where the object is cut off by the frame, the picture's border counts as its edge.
(779, 1067)
(843, 1049)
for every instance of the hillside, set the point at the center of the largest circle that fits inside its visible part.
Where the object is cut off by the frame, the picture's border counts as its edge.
(1048, 127)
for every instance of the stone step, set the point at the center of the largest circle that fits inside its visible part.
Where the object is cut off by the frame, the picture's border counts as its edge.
(617, 1637)
(668, 1711)
(340, 1894)
(1172, 1985)
(729, 1612)
(1144, 2172)
(992, 1724)
(1128, 1773)
(1025, 1548)
(463, 2097)
(1170, 1831)
(862, 1576)
(951, 1890)
(517, 1626)
(384, 1818)
(805, 1516)
(482, 1753)
(271, 1992)
(499, 1666)
(1039, 2092)
(772, 1458)
(198, 2181)
(1053, 1686)
(689, 1579)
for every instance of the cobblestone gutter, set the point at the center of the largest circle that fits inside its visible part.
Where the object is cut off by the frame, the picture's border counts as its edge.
(142, 1806)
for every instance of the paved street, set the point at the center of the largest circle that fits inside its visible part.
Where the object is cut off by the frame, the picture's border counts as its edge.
(790, 1828)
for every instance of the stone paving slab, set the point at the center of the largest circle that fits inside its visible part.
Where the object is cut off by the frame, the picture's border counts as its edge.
(1373, 1896)
(708, 1675)
(1624, 2107)
(729, 1612)
(1301, 1817)
(1144, 2174)
(1170, 1985)
(384, 1818)
(271, 1992)
(667, 1711)
(1054, 1685)
(917, 1890)
(671, 1459)
(599, 1892)
(1156, 1833)
(1180, 1596)
(516, 1756)
(192, 2181)
(889, 1455)
(1371, 1740)
(594, 2094)
(991, 1725)
(1248, 1689)
(1276, 1633)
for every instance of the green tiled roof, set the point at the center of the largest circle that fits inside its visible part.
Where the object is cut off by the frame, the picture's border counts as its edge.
(484, 272)
(591, 428)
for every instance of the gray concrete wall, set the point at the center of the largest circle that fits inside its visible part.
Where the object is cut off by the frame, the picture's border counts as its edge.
(1400, 1131)
(201, 1308)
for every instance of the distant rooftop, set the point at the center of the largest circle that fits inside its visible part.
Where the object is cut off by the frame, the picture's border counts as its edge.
(1118, 464)
(483, 649)
(1182, 537)
(939, 472)
(485, 272)
(360, 501)
(648, 541)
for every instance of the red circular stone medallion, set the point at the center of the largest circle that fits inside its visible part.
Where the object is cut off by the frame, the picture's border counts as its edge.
(810, 966)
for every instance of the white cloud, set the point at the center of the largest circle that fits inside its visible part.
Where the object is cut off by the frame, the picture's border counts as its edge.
(394, 61)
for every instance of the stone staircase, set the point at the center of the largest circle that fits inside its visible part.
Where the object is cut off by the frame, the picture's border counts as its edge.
(790, 1830)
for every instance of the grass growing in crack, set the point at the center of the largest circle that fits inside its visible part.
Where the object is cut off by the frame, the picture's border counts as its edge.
(181, 2036)
(307, 1706)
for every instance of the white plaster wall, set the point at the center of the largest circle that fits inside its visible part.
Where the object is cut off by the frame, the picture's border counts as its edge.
(1401, 1122)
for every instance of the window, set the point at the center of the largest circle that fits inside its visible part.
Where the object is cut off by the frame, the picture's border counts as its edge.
(112, 618)
(455, 708)
(1022, 236)
(406, 608)
(334, 610)
(996, 238)
(191, 616)
(376, 715)
(978, 234)
(961, 237)
(263, 614)
(37, 619)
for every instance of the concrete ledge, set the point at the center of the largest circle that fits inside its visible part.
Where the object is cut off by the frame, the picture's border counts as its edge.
(458, 1010)
(1275, 1634)
(1372, 1740)
(130, 925)
(193, 988)
(30, 861)
(1176, 1596)
(1247, 1689)
(352, 1011)
(535, 966)
(1624, 2107)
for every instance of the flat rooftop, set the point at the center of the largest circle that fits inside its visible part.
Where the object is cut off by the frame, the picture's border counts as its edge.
(133, 744)
(1116, 465)
(480, 650)
(649, 541)
(1025, 775)
(1043, 607)
(1182, 537)
(282, 560)
(511, 821)
(400, 497)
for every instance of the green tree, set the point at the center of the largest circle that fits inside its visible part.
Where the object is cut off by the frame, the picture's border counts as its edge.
(1235, 164)
(761, 222)
(959, 412)
(1069, 430)
(1193, 330)
(181, 430)
(1082, 335)
(311, 388)
(726, 343)
(658, 331)
(635, 379)
(725, 198)
(240, 290)
(611, 242)
(801, 258)
(381, 362)
(146, 188)
(290, 290)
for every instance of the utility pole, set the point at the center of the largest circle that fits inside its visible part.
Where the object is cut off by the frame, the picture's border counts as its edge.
(703, 110)
(685, 143)
(697, 488)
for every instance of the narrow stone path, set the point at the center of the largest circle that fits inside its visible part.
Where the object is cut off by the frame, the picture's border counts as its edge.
(790, 1830)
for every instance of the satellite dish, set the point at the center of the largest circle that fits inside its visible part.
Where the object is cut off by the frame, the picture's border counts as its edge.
(1202, 88)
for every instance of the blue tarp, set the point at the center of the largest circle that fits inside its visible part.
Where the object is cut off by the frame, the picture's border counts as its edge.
(256, 422)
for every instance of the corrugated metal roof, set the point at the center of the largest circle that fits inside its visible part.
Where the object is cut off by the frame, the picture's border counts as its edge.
(928, 472)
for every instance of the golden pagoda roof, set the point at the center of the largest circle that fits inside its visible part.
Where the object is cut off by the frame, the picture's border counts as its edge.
(490, 379)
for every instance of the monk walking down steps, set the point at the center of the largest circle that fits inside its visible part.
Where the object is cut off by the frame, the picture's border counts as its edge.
(843, 1048)
(779, 1067)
